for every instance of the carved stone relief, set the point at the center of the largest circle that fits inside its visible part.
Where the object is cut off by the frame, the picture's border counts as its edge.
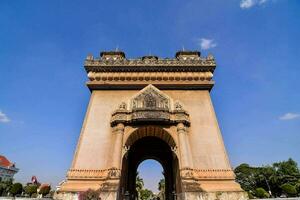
(150, 104)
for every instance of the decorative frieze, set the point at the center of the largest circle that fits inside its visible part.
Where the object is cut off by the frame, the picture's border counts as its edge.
(150, 76)
(208, 174)
(93, 174)
(199, 174)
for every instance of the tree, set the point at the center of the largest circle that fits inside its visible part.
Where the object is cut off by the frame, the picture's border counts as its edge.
(2, 189)
(5, 187)
(298, 186)
(16, 189)
(139, 182)
(145, 194)
(139, 185)
(261, 193)
(289, 190)
(30, 189)
(142, 193)
(270, 177)
(161, 188)
(245, 176)
(44, 189)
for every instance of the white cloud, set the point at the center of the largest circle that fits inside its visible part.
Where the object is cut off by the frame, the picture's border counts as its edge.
(4, 118)
(289, 116)
(262, 2)
(246, 4)
(207, 43)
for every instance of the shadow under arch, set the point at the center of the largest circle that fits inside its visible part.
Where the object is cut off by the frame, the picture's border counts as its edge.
(150, 142)
(153, 131)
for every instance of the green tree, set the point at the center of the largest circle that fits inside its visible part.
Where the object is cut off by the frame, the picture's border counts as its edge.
(246, 177)
(139, 182)
(16, 189)
(261, 193)
(298, 187)
(2, 189)
(146, 194)
(289, 190)
(5, 187)
(142, 193)
(270, 178)
(161, 188)
(139, 185)
(30, 189)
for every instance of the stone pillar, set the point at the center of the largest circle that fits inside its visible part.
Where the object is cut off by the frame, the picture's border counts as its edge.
(117, 148)
(183, 145)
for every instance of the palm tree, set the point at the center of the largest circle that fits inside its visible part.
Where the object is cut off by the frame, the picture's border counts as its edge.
(139, 184)
(161, 188)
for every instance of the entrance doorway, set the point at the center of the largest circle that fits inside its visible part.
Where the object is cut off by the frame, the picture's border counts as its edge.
(150, 143)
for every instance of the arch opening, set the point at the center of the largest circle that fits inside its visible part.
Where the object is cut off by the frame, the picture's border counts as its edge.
(150, 143)
(153, 131)
(150, 180)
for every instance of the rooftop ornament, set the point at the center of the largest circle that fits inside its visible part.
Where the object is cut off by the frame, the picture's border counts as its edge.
(113, 70)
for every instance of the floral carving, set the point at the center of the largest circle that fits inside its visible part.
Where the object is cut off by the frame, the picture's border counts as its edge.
(150, 98)
(123, 106)
(150, 104)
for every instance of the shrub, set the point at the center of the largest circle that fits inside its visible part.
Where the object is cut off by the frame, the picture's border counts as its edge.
(16, 189)
(5, 187)
(30, 189)
(90, 195)
(44, 189)
(261, 193)
(297, 186)
(2, 189)
(289, 189)
(250, 195)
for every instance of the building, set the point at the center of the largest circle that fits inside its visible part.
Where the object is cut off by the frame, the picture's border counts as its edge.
(151, 108)
(7, 169)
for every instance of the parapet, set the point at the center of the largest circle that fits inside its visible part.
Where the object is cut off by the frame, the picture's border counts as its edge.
(187, 70)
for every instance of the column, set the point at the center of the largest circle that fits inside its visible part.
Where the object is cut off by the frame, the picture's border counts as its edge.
(184, 152)
(117, 149)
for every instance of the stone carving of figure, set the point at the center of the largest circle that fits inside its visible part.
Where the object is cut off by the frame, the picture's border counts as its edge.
(149, 101)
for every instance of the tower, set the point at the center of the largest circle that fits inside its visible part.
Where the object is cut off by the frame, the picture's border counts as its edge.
(151, 108)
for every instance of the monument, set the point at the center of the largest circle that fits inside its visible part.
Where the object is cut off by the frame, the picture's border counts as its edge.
(151, 108)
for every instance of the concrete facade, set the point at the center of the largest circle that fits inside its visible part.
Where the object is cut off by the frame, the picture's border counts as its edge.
(151, 97)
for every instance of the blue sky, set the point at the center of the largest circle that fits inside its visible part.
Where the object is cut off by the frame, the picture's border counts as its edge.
(43, 96)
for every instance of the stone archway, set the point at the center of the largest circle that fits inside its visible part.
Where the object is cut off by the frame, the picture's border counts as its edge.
(150, 142)
(129, 120)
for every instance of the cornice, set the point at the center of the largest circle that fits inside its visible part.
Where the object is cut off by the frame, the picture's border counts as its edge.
(116, 61)
(188, 70)
(138, 65)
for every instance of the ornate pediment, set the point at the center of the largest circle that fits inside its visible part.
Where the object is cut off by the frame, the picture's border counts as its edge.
(150, 105)
(150, 98)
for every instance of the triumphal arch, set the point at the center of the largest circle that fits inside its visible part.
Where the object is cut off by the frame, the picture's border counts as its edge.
(151, 108)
